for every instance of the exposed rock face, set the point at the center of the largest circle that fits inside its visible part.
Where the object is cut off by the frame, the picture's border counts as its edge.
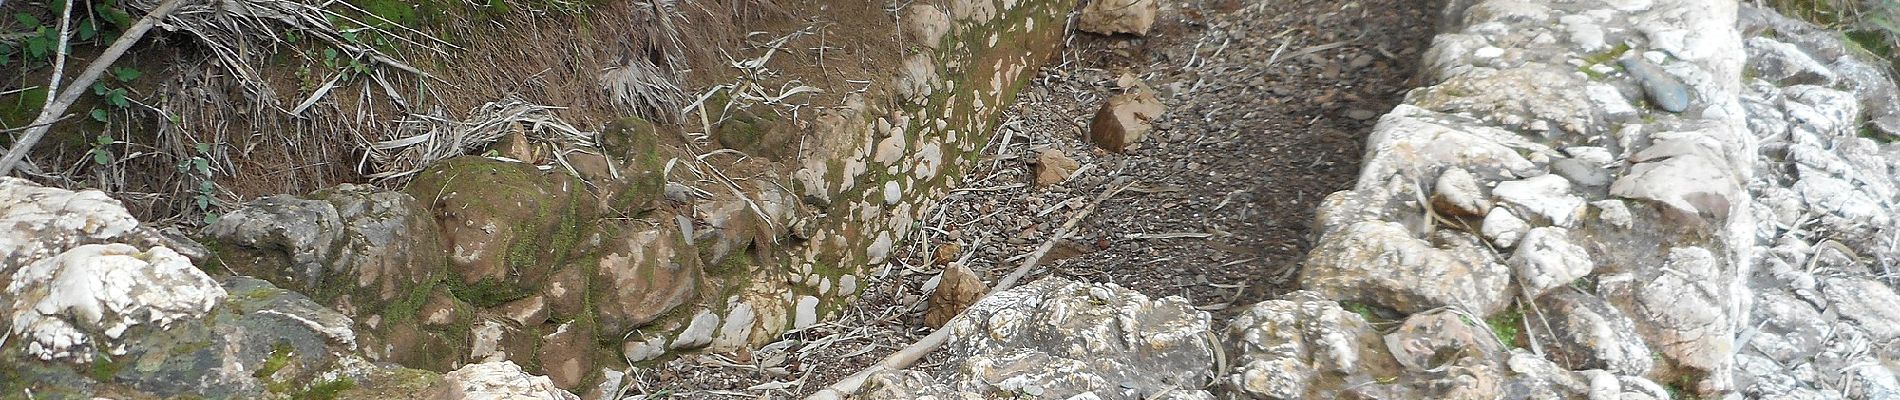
(1381, 263)
(1057, 338)
(100, 306)
(1705, 241)
(603, 257)
(1282, 348)
(81, 274)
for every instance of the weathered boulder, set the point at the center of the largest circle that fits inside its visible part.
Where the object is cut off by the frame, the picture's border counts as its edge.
(1584, 332)
(1382, 264)
(1296, 346)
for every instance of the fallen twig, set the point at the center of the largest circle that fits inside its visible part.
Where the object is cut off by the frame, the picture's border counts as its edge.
(1181, 235)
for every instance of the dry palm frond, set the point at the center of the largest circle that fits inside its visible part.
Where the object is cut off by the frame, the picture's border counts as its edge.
(237, 31)
(422, 140)
(639, 87)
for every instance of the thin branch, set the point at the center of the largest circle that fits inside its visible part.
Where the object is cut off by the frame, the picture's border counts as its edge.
(92, 73)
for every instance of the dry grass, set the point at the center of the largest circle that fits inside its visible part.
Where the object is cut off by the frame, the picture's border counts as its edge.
(255, 83)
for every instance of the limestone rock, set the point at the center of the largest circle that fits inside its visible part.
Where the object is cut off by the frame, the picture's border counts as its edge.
(1503, 228)
(83, 301)
(1685, 172)
(1546, 259)
(307, 230)
(1381, 263)
(1109, 17)
(1676, 308)
(1872, 305)
(1587, 333)
(566, 356)
(1431, 339)
(698, 333)
(498, 380)
(1285, 348)
(1546, 196)
(1458, 193)
(1053, 167)
(958, 288)
(1125, 119)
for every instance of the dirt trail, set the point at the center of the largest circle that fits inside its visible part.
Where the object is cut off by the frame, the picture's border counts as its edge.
(1267, 105)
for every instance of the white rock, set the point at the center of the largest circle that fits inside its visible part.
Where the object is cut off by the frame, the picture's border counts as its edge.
(697, 333)
(1119, 16)
(499, 380)
(1614, 212)
(806, 314)
(737, 329)
(1546, 259)
(893, 193)
(1547, 196)
(99, 288)
(642, 350)
(485, 342)
(847, 285)
(1502, 228)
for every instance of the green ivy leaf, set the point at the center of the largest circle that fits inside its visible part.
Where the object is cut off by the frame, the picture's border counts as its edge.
(350, 36)
(204, 202)
(87, 30)
(205, 187)
(125, 74)
(104, 139)
(98, 115)
(36, 47)
(101, 156)
(211, 218)
(27, 19)
(98, 88)
(116, 97)
(203, 167)
(204, 148)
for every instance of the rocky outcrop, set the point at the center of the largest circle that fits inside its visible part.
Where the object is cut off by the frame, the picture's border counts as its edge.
(581, 258)
(1675, 191)
(99, 305)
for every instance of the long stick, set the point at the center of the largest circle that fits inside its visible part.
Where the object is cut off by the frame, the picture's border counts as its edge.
(93, 71)
(59, 53)
(910, 354)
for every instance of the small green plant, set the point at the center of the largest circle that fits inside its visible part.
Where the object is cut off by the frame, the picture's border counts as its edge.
(102, 150)
(199, 168)
(1505, 325)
